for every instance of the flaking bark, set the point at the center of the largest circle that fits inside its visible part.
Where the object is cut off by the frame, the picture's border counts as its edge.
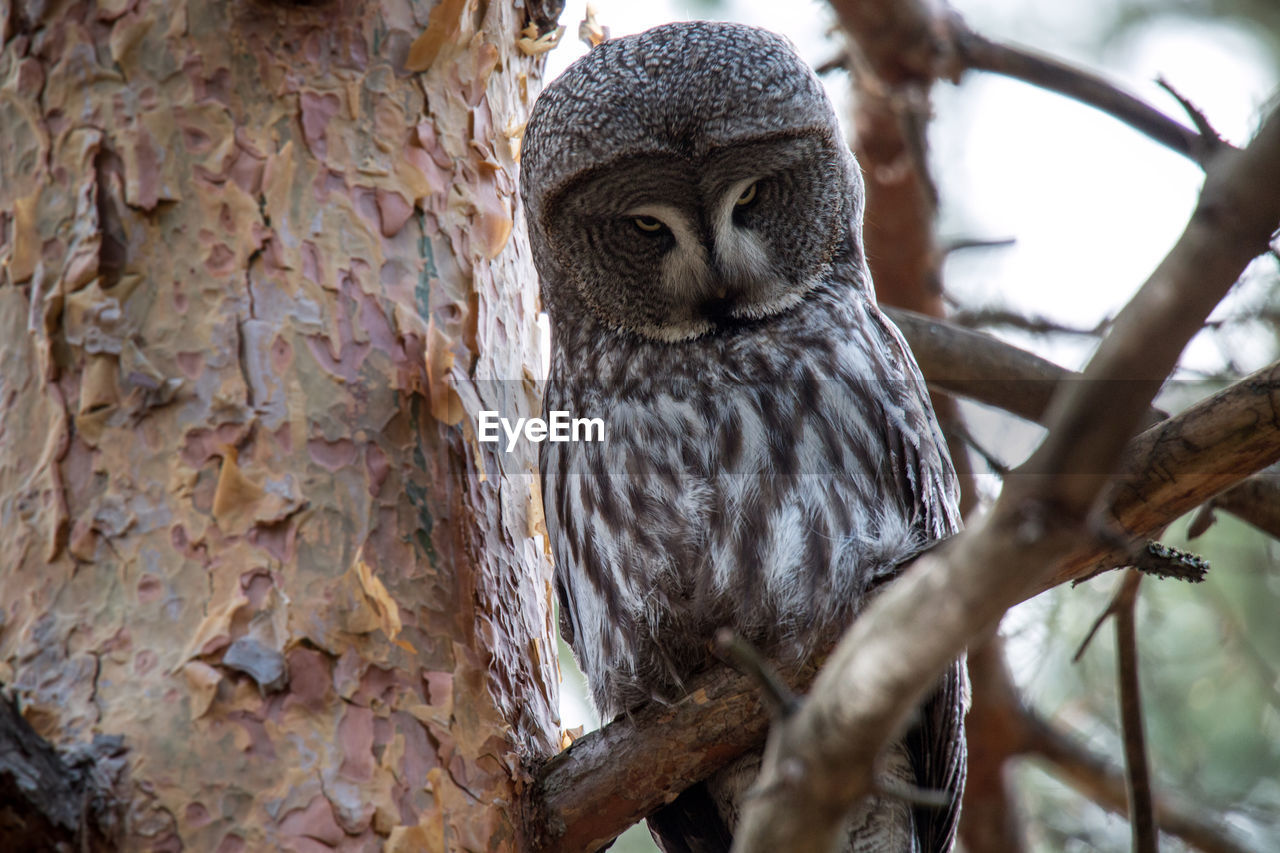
(261, 267)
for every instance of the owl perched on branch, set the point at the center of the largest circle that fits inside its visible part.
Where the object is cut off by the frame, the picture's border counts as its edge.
(771, 455)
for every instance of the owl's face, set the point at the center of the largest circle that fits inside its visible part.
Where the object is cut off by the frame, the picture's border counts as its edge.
(685, 179)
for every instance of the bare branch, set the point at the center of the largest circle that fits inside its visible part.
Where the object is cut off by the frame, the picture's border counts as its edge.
(905, 45)
(839, 62)
(1098, 779)
(962, 432)
(986, 369)
(965, 244)
(1256, 500)
(990, 371)
(1238, 423)
(747, 659)
(1142, 820)
(1197, 116)
(49, 801)
(991, 822)
(611, 778)
(980, 53)
(987, 317)
(1021, 732)
(904, 639)
(1107, 613)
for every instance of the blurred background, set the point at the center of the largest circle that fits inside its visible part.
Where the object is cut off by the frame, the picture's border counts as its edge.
(1091, 207)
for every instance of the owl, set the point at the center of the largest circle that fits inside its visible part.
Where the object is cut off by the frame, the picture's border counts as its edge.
(770, 456)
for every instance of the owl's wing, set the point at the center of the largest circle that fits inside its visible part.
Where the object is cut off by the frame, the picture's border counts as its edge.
(936, 744)
(691, 823)
(936, 747)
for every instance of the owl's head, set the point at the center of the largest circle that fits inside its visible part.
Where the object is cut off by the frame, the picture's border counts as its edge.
(685, 178)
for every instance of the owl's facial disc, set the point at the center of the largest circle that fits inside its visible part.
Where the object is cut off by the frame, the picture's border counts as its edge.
(674, 246)
(716, 269)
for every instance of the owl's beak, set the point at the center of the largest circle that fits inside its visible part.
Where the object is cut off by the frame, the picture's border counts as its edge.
(722, 299)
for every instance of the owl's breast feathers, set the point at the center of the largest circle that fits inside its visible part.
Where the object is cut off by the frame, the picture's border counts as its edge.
(766, 478)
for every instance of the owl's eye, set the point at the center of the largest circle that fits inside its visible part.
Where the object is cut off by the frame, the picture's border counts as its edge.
(748, 196)
(648, 224)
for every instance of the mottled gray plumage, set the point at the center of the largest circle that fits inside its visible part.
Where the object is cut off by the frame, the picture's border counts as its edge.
(771, 454)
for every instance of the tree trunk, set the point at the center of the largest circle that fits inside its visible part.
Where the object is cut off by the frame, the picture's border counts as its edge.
(258, 277)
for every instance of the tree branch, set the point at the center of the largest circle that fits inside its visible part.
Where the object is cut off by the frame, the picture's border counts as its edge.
(45, 801)
(1036, 325)
(1024, 733)
(611, 778)
(991, 822)
(1098, 779)
(907, 636)
(1256, 500)
(987, 370)
(1142, 820)
(908, 46)
(983, 368)
(980, 53)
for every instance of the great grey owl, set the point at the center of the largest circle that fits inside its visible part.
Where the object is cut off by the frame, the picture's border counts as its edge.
(771, 456)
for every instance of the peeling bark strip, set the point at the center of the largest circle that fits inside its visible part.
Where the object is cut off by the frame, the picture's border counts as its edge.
(252, 273)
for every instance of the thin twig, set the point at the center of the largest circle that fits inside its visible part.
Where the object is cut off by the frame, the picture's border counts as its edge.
(1035, 325)
(1097, 778)
(1138, 777)
(839, 62)
(1197, 116)
(1142, 818)
(896, 789)
(983, 368)
(1022, 732)
(963, 244)
(1107, 613)
(746, 658)
(958, 427)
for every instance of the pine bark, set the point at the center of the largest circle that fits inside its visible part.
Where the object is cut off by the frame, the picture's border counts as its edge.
(260, 269)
